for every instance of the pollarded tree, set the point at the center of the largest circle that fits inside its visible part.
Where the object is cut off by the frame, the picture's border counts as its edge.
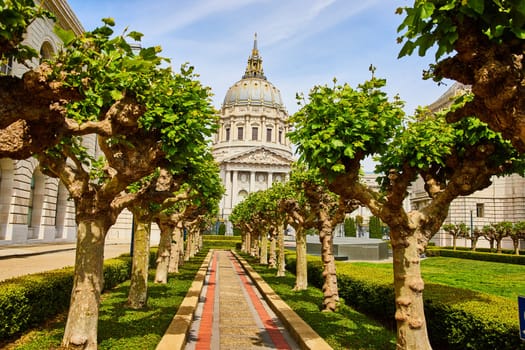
(145, 117)
(501, 230)
(300, 216)
(474, 237)
(340, 126)
(489, 233)
(329, 210)
(481, 44)
(456, 231)
(517, 234)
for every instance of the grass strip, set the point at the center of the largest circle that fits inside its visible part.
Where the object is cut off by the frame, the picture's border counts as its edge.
(344, 329)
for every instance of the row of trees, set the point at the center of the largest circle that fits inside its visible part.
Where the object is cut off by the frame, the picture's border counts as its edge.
(454, 152)
(494, 233)
(306, 204)
(152, 126)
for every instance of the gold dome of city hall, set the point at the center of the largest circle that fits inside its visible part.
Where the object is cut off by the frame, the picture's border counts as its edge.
(253, 89)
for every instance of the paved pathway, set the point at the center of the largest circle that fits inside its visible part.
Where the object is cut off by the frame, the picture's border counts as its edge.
(27, 259)
(232, 314)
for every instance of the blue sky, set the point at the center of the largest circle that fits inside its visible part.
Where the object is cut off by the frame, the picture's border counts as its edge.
(302, 42)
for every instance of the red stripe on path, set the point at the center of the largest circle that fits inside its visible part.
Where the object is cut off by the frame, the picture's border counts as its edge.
(205, 328)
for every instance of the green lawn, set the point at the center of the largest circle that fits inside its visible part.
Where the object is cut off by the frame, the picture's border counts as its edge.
(505, 280)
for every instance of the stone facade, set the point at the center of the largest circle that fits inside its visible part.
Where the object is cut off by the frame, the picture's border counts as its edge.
(35, 208)
(251, 145)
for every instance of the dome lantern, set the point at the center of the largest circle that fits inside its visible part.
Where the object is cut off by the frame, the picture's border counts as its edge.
(253, 89)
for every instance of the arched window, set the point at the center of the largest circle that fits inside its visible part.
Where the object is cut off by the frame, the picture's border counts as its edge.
(46, 51)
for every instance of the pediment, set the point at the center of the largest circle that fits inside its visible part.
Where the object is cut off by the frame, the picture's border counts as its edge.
(260, 155)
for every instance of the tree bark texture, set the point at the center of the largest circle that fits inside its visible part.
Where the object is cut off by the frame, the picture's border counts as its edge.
(138, 290)
(263, 259)
(301, 267)
(189, 244)
(272, 262)
(164, 252)
(177, 249)
(82, 320)
(330, 289)
(281, 261)
(408, 285)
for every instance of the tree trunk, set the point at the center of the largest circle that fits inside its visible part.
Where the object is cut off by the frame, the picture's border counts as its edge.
(301, 268)
(281, 260)
(263, 258)
(516, 244)
(454, 239)
(163, 253)
(474, 242)
(138, 290)
(498, 246)
(408, 285)
(177, 250)
(273, 254)
(189, 243)
(196, 241)
(255, 246)
(330, 290)
(82, 320)
(246, 242)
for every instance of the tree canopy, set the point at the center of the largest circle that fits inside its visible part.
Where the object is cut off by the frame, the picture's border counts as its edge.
(478, 43)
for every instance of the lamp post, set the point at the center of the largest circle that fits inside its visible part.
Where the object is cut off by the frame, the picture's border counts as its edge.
(471, 226)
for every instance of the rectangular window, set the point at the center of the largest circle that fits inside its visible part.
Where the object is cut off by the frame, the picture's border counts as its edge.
(227, 134)
(268, 135)
(280, 136)
(240, 133)
(480, 210)
(255, 133)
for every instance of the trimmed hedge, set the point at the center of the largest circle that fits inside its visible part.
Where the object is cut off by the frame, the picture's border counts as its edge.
(30, 300)
(477, 255)
(221, 242)
(456, 318)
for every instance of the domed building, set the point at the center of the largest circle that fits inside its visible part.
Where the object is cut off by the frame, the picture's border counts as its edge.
(251, 145)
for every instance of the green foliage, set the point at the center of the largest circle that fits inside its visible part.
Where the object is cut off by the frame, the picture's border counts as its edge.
(30, 300)
(434, 22)
(15, 17)
(350, 228)
(375, 227)
(105, 71)
(428, 142)
(340, 124)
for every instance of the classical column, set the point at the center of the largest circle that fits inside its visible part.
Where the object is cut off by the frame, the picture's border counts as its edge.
(252, 181)
(234, 190)
(228, 191)
(270, 179)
